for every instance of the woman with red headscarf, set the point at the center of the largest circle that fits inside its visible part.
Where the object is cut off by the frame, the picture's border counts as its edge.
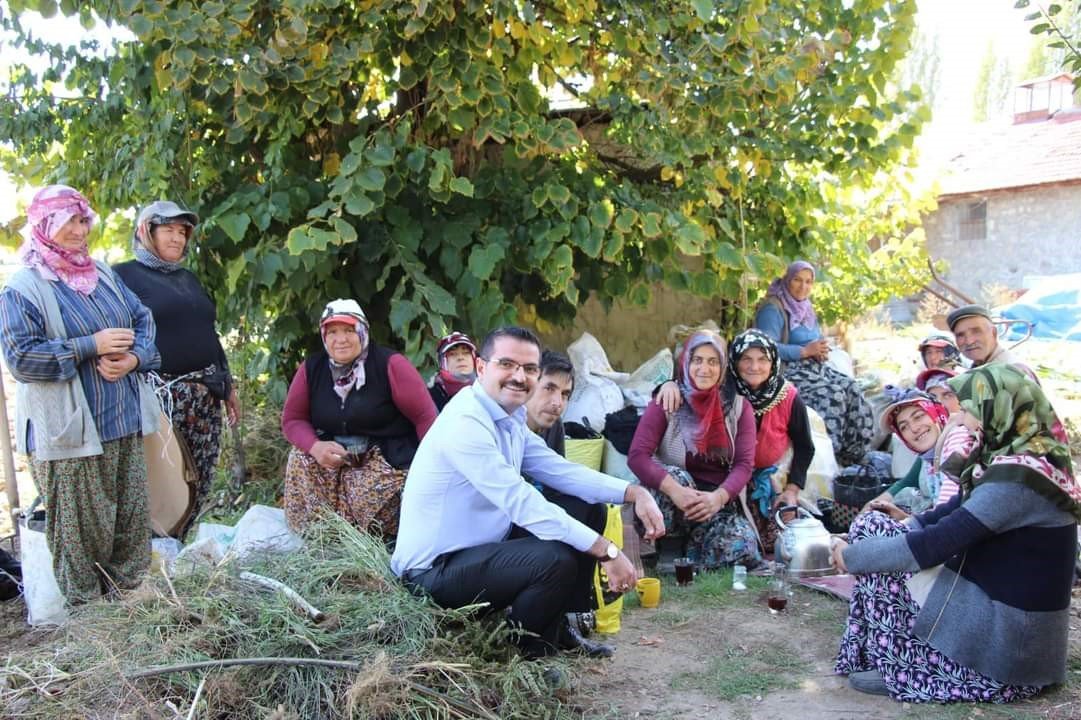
(457, 368)
(696, 460)
(78, 342)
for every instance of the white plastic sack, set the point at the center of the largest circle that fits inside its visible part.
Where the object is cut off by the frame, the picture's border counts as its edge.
(615, 464)
(595, 394)
(824, 465)
(44, 603)
(842, 361)
(638, 387)
(261, 529)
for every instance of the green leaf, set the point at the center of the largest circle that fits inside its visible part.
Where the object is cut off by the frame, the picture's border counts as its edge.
(691, 239)
(462, 186)
(347, 234)
(402, 312)
(234, 270)
(380, 155)
(559, 194)
(600, 214)
(651, 225)
(298, 242)
(234, 225)
(703, 9)
(359, 205)
(727, 255)
(371, 178)
(625, 220)
(483, 259)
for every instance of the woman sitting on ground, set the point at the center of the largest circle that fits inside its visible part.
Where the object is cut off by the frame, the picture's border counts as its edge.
(457, 357)
(696, 460)
(970, 602)
(783, 448)
(787, 316)
(355, 414)
(916, 419)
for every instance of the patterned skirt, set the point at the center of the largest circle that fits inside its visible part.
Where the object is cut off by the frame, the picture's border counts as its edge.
(97, 522)
(368, 496)
(878, 636)
(837, 398)
(197, 417)
(727, 538)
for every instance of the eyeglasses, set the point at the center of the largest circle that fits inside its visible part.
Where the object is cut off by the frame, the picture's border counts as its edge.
(510, 366)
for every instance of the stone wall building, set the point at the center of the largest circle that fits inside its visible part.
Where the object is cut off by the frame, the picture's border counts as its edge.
(1010, 205)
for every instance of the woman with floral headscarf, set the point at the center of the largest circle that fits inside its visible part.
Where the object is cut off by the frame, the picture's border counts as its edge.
(970, 601)
(78, 342)
(355, 414)
(697, 460)
(457, 368)
(787, 316)
(193, 362)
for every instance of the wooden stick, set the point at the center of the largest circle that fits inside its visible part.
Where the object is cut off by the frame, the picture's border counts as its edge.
(198, 693)
(292, 595)
(10, 482)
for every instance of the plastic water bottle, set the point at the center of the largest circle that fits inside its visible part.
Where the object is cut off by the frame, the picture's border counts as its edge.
(739, 577)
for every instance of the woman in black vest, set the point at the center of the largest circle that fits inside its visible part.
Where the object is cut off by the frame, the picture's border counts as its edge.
(355, 414)
(193, 362)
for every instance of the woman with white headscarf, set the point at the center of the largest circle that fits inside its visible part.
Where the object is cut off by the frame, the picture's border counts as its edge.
(355, 414)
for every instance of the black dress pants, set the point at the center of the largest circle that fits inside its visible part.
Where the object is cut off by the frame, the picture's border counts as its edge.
(539, 580)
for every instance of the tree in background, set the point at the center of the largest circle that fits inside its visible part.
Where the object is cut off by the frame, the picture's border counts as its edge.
(922, 67)
(994, 82)
(1056, 46)
(406, 153)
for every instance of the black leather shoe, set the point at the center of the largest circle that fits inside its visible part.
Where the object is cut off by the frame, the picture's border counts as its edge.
(571, 639)
(868, 681)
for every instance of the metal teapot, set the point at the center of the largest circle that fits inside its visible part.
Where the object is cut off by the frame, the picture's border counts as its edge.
(804, 544)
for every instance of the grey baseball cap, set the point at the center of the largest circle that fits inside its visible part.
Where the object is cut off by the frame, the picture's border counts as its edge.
(966, 311)
(163, 212)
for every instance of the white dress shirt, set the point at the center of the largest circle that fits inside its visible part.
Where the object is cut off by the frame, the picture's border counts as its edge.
(465, 485)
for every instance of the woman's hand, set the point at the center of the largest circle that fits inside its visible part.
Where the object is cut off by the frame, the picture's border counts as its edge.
(328, 454)
(788, 496)
(114, 340)
(870, 504)
(707, 505)
(884, 506)
(114, 366)
(669, 397)
(232, 408)
(837, 558)
(816, 349)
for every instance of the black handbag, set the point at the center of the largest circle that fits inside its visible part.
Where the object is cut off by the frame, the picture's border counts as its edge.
(859, 484)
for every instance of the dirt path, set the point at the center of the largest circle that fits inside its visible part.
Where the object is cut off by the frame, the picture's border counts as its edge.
(710, 652)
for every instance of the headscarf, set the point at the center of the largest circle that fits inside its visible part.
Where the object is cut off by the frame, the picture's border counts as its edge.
(775, 388)
(800, 312)
(948, 346)
(902, 398)
(1019, 444)
(50, 209)
(157, 213)
(453, 382)
(348, 376)
(702, 420)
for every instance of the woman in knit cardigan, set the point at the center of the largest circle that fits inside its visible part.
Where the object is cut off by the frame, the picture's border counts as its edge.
(969, 602)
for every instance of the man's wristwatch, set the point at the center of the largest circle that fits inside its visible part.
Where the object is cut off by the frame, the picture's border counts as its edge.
(610, 553)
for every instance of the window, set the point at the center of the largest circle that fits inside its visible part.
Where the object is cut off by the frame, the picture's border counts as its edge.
(973, 225)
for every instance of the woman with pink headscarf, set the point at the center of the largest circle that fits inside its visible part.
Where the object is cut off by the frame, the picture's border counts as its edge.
(78, 343)
(787, 316)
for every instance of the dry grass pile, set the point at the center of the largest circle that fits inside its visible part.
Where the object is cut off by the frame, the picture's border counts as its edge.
(379, 653)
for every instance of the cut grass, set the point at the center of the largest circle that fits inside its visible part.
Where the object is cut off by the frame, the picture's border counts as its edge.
(741, 671)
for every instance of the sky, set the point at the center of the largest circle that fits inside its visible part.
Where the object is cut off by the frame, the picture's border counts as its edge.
(964, 29)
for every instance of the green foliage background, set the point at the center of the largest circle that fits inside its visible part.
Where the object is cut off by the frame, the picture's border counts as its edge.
(405, 153)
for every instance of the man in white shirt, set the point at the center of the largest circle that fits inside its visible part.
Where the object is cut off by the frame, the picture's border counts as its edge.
(472, 530)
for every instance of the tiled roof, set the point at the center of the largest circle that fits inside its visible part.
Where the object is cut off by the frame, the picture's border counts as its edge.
(1023, 155)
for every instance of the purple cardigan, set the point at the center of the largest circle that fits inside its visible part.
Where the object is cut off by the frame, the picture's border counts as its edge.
(708, 473)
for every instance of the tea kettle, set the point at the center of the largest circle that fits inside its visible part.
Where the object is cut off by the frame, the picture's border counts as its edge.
(804, 544)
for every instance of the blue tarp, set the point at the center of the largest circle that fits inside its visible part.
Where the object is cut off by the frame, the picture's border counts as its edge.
(1055, 313)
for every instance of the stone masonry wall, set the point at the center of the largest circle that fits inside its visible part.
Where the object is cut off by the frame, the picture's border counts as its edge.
(1035, 231)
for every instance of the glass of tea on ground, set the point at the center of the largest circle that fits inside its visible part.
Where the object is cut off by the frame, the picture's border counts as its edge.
(777, 595)
(684, 571)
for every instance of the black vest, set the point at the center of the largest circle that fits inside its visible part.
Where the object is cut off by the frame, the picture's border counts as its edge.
(369, 411)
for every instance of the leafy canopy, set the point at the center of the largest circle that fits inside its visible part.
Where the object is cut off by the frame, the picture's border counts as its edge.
(405, 152)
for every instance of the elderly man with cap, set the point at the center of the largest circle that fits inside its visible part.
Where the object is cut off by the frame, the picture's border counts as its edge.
(457, 368)
(193, 361)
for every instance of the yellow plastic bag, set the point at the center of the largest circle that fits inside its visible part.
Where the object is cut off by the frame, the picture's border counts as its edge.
(586, 452)
(608, 614)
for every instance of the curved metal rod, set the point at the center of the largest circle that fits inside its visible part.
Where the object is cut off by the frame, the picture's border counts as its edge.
(938, 278)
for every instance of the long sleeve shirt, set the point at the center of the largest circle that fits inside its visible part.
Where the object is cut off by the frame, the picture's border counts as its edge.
(707, 471)
(771, 321)
(407, 389)
(34, 357)
(465, 486)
